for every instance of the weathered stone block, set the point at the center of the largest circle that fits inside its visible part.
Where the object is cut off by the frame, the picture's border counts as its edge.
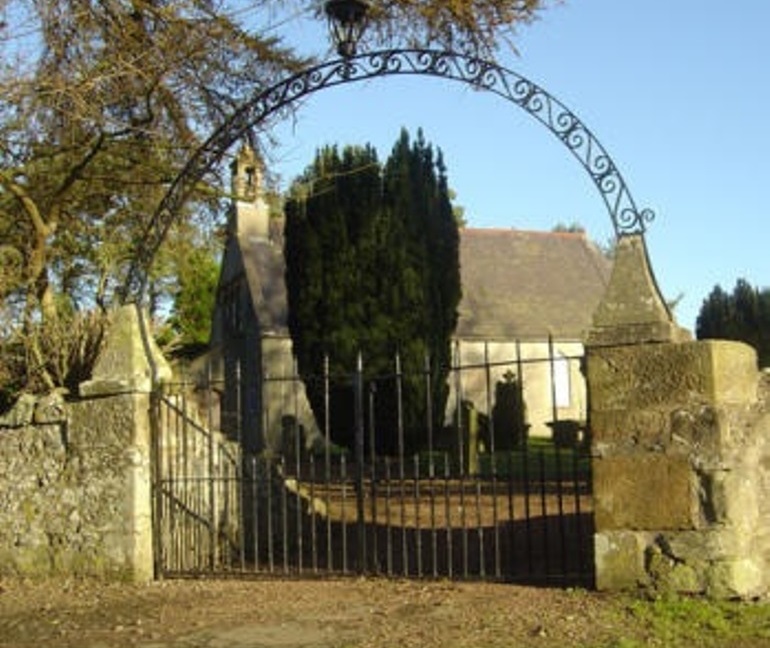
(698, 430)
(619, 557)
(668, 573)
(741, 577)
(735, 498)
(735, 373)
(644, 492)
(672, 375)
(716, 543)
(641, 377)
(624, 430)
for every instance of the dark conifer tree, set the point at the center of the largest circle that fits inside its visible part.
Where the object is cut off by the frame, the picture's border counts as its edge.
(372, 260)
(416, 197)
(743, 315)
(328, 219)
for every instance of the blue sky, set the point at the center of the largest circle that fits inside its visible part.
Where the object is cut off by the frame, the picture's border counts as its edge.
(676, 92)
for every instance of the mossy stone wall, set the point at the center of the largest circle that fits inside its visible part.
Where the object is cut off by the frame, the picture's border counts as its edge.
(74, 493)
(75, 475)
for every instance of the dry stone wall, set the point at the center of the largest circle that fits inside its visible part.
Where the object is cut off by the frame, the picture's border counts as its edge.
(72, 492)
(75, 477)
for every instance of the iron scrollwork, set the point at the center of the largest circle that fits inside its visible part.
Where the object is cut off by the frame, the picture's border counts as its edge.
(477, 72)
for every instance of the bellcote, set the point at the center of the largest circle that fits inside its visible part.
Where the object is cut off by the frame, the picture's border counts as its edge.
(251, 212)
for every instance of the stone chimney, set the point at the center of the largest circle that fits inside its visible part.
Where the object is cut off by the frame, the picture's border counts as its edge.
(252, 217)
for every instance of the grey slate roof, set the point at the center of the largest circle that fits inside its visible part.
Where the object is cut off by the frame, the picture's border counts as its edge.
(520, 284)
(516, 284)
(264, 266)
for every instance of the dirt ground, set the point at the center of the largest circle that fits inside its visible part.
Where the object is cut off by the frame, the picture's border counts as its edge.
(349, 613)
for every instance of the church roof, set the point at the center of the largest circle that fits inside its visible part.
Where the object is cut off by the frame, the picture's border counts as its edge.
(521, 284)
(516, 284)
(264, 266)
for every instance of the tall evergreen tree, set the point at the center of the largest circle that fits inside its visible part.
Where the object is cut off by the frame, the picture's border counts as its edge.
(372, 267)
(417, 197)
(328, 220)
(743, 315)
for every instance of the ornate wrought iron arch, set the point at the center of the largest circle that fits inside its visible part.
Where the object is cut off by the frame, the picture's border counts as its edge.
(477, 72)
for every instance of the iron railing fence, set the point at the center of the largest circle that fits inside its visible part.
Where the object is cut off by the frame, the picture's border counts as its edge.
(197, 504)
(304, 507)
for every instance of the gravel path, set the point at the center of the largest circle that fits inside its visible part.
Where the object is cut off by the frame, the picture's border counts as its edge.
(293, 614)
(358, 613)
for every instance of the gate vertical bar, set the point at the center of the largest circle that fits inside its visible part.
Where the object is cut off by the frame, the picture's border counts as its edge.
(313, 521)
(209, 418)
(493, 458)
(461, 454)
(448, 517)
(401, 467)
(254, 511)
(212, 494)
(264, 467)
(431, 463)
(156, 444)
(344, 496)
(268, 462)
(578, 513)
(520, 376)
(544, 511)
(562, 520)
(459, 409)
(480, 528)
(552, 365)
(358, 395)
(373, 474)
(169, 458)
(527, 509)
(327, 465)
(417, 526)
(388, 522)
(429, 413)
(513, 554)
(297, 449)
(238, 404)
(464, 525)
(188, 556)
(284, 515)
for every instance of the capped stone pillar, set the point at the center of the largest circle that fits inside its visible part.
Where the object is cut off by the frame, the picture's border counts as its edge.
(113, 418)
(632, 310)
(679, 450)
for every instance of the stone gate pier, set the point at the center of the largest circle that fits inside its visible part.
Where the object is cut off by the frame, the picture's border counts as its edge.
(681, 447)
(75, 475)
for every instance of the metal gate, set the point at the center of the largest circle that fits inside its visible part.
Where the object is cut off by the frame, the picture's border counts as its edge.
(522, 514)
